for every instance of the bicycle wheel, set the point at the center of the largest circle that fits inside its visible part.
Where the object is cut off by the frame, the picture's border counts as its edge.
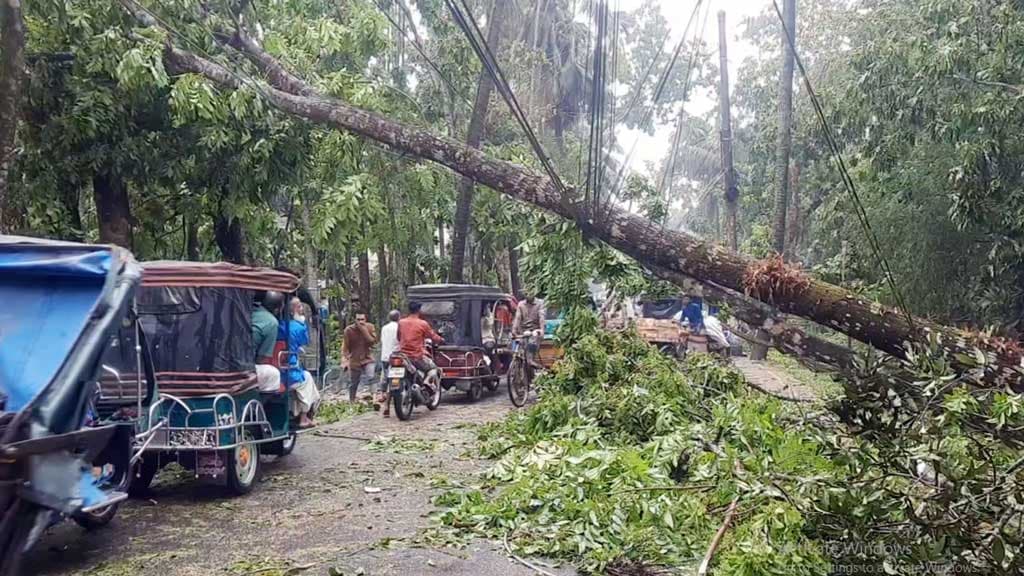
(518, 382)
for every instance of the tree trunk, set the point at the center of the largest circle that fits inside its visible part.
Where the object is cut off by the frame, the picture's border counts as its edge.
(365, 290)
(770, 281)
(384, 284)
(440, 239)
(785, 137)
(513, 270)
(732, 193)
(112, 210)
(70, 199)
(230, 238)
(474, 136)
(12, 71)
(794, 229)
(191, 238)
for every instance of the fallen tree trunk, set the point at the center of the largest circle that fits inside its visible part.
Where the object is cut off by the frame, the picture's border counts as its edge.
(772, 282)
(784, 336)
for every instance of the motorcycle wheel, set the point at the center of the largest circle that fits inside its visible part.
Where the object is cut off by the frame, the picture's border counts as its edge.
(403, 401)
(518, 382)
(433, 381)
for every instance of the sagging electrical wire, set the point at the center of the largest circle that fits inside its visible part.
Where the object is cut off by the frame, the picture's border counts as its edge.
(844, 174)
(478, 42)
(658, 90)
(423, 53)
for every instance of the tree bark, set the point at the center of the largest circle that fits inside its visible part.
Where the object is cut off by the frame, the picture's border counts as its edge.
(789, 290)
(474, 136)
(383, 283)
(230, 238)
(513, 270)
(112, 209)
(365, 290)
(732, 193)
(191, 238)
(794, 230)
(785, 136)
(440, 239)
(12, 72)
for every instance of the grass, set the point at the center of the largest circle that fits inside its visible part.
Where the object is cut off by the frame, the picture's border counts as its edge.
(332, 411)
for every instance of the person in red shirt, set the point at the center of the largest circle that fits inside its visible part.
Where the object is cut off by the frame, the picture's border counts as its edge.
(413, 331)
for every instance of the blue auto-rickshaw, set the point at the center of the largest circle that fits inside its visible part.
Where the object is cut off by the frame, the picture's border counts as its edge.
(210, 416)
(60, 457)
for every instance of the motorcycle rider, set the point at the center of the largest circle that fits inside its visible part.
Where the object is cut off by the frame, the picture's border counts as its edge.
(413, 332)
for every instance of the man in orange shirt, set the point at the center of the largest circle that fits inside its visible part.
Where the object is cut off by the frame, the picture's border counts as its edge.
(413, 331)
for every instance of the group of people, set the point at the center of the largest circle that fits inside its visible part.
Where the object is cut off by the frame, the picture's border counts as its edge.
(409, 335)
(273, 337)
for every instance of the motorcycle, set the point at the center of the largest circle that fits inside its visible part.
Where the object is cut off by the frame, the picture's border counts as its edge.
(409, 387)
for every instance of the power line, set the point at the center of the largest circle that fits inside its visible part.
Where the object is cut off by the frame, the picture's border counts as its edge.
(444, 78)
(478, 42)
(848, 183)
(658, 90)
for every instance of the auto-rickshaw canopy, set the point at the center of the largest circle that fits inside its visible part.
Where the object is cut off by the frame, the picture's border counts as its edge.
(197, 318)
(456, 310)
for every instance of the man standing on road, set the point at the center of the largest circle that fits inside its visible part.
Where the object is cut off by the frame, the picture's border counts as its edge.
(388, 344)
(529, 321)
(357, 350)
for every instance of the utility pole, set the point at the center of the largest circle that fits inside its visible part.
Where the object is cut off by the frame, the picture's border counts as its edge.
(732, 193)
(785, 140)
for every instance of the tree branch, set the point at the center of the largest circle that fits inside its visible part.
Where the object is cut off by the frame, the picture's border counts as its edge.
(790, 291)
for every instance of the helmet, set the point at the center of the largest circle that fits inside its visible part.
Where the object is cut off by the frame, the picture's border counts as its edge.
(272, 300)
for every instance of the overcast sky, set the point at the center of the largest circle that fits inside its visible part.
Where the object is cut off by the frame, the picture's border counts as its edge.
(677, 12)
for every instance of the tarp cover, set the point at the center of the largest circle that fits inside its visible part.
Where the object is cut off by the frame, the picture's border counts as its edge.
(664, 309)
(200, 337)
(48, 295)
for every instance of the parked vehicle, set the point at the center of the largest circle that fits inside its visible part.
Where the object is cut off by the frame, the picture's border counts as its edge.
(409, 387)
(62, 458)
(470, 360)
(216, 423)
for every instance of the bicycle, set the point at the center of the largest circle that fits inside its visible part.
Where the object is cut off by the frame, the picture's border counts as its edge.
(520, 372)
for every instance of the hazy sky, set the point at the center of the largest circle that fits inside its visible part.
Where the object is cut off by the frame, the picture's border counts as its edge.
(677, 12)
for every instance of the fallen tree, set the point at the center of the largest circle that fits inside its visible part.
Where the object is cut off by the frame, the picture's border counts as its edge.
(772, 282)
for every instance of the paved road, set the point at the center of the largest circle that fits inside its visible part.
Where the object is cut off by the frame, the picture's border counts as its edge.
(311, 509)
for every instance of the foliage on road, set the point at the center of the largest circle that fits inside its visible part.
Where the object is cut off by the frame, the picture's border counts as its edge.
(628, 459)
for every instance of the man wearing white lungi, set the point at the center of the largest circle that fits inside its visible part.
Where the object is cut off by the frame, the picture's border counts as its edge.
(305, 395)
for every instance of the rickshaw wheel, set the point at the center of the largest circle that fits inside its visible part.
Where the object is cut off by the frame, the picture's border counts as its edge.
(434, 382)
(476, 391)
(97, 518)
(243, 464)
(284, 446)
(518, 382)
(142, 476)
(492, 384)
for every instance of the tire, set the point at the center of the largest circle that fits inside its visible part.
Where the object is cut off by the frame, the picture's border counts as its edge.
(143, 475)
(282, 447)
(434, 382)
(492, 384)
(12, 548)
(403, 401)
(476, 391)
(97, 518)
(243, 464)
(518, 383)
